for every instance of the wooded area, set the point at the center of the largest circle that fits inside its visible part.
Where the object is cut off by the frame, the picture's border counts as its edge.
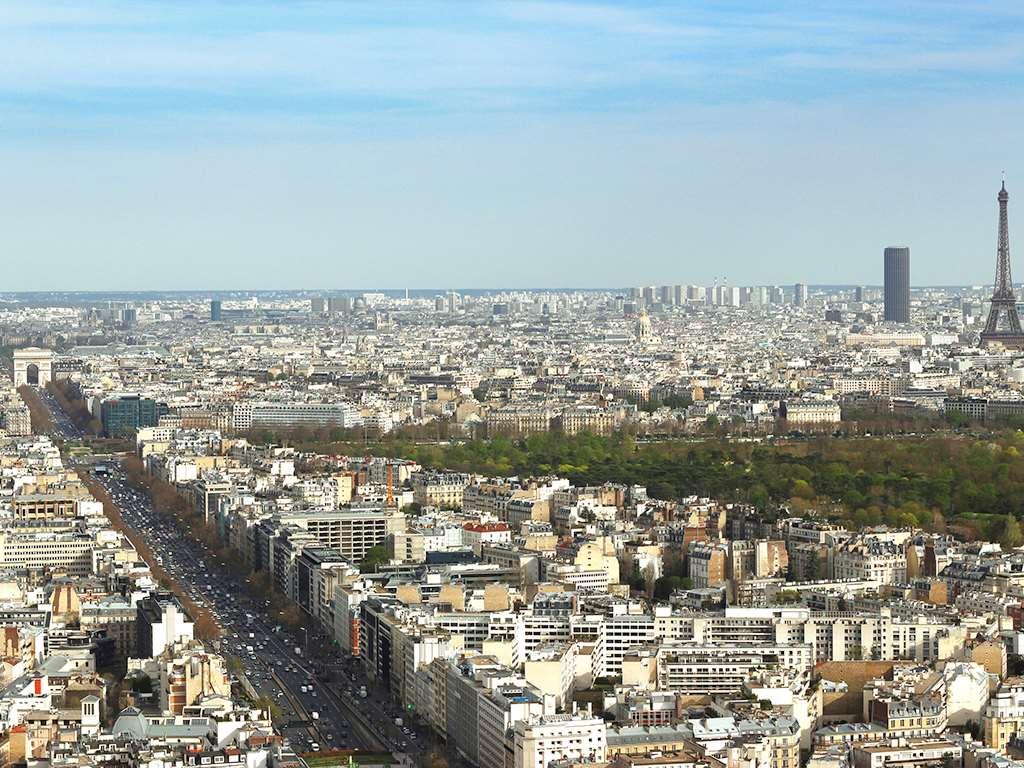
(974, 484)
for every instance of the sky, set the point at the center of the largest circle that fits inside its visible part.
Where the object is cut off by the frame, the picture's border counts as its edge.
(348, 145)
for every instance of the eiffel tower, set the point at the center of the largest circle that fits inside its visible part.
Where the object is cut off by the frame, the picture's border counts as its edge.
(1003, 324)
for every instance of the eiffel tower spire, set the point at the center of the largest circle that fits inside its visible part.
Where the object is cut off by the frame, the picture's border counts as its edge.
(1003, 324)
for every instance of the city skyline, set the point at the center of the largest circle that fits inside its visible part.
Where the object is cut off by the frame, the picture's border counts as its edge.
(197, 145)
(511, 384)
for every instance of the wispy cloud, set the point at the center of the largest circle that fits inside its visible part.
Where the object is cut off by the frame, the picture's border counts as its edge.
(378, 60)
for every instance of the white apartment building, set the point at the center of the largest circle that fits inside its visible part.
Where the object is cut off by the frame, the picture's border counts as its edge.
(703, 670)
(624, 633)
(539, 740)
(908, 753)
(551, 668)
(865, 558)
(477, 535)
(578, 577)
(533, 630)
(812, 412)
(287, 415)
(69, 551)
(474, 627)
(497, 710)
(967, 691)
(352, 532)
(438, 489)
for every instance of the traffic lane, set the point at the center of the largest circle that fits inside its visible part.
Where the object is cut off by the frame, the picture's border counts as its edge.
(65, 427)
(190, 567)
(140, 513)
(183, 551)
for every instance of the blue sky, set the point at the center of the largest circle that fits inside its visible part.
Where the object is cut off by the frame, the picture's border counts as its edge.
(475, 144)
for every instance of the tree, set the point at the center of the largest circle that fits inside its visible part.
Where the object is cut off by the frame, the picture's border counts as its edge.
(788, 597)
(234, 665)
(636, 578)
(957, 419)
(375, 557)
(269, 706)
(1006, 530)
(39, 414)
(815, 569)
(759, 497)
(292, 616)
(666, 585)
(206, 627)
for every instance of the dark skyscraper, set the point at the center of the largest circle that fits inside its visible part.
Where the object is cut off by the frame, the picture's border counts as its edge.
(897, 285)
(215, 313)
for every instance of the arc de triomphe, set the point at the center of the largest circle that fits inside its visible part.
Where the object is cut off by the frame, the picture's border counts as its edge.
(33, 365)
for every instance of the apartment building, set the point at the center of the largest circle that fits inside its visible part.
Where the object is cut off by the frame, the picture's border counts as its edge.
(162, 622)
(16, 420)
(810, 412)
(592, 419)
(497, 712)
(519, 420)
(407, 546)
(249, 415)
(551, 669)
(187, 676)
(285, 551)
(463, 692)
(375, 629)
(439, 489)
(757, 559)
(867, 558)
(910, 717)
(707, 564)
(477, 535)
(115, 616)
(542, 739)
(907, 753)
(318, 572)
(1003, 719)
(69, 552)
(352, 531)
(44, 506)
(707, 670)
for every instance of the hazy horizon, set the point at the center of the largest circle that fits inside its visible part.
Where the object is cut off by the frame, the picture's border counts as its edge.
(199, 146)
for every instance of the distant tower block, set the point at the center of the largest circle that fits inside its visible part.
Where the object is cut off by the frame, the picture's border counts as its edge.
(33, 366)
(800, 294)
(897, 284)
(1003, 325)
